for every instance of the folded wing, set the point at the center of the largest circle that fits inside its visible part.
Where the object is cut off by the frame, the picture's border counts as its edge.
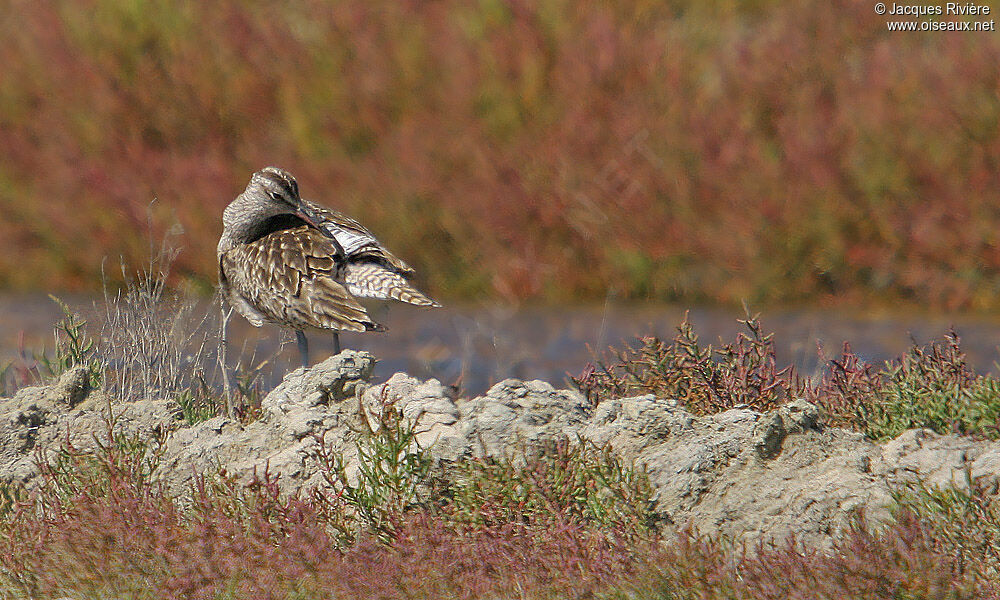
(291, 277)
(359, 244)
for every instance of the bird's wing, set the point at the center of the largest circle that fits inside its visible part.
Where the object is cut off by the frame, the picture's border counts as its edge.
(292, 277)
(372, 280)
(358, 242)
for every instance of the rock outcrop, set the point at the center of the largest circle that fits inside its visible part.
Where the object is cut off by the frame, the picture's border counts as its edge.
(740, 473)
(39, 420)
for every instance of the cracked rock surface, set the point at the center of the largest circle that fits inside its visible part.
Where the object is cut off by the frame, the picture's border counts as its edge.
(739, 473)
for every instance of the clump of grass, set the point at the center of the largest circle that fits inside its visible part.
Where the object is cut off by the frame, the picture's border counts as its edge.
(198, 407)
(965, 522)
(929, 386)
(158, 343)
(706, 379)
(566, 483)
(73, 347)
(392, 474)
(154, 342)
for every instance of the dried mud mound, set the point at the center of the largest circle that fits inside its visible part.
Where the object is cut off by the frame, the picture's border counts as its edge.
(739, 473)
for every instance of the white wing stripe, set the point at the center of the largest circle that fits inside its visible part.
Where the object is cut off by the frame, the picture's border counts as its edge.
(350, 241)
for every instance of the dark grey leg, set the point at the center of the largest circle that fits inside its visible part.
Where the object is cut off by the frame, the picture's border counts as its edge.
(303, 347)
(336, 343)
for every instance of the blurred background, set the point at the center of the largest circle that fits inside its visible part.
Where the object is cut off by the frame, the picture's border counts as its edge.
(577, 171)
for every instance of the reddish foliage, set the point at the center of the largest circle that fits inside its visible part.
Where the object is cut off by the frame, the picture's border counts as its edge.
(126, 543)
(111, 533)
(706, 379)
(904, 561)
(125, 540)
(929, 386)
(768, 152)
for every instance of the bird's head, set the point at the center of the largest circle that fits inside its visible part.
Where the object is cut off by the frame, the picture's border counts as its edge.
(272, 185)
(270, 193)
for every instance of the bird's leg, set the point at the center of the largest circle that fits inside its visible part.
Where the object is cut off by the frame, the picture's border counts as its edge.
(223, 364)
(336, 343)
(303, 347)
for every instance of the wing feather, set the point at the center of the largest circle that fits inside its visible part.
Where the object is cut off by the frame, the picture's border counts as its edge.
(358, 242)
(291, 277)
(371, 280)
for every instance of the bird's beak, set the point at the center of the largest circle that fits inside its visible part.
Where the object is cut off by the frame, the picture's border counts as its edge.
(310, 217)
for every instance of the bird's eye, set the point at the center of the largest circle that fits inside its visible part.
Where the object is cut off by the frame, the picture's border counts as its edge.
(274, 196)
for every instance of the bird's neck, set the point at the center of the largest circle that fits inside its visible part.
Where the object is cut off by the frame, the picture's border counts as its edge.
(245, 222)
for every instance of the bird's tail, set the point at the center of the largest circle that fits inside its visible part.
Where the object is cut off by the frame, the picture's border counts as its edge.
(370, 280)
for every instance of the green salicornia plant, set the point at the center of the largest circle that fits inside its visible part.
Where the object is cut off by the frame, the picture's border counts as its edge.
(566, 482)
(73, 347)
(391, 472)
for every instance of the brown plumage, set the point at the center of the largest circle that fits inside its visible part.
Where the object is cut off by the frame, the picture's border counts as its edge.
(295, 263)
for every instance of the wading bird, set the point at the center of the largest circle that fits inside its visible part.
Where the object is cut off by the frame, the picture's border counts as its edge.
(289, 261)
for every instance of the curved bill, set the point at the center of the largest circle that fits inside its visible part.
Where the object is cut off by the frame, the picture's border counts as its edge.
(307, 215)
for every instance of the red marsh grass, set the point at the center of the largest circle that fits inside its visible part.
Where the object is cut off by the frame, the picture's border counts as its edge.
(772, 152)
